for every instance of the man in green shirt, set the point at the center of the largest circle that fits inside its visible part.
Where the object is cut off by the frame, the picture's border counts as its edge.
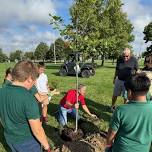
(131, 125)
(19, 112)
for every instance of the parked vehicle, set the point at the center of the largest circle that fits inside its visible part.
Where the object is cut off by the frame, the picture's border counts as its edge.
(86, 69)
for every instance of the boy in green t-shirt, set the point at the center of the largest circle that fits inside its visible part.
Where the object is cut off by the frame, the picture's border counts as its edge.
(19, 112)
(130, 129)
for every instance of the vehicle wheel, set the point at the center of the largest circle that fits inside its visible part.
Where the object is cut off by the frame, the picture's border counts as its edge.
(85, 73)
(92, 71)
(62, 72)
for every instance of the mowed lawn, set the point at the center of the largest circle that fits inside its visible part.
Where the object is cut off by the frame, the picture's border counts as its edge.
(98, 97)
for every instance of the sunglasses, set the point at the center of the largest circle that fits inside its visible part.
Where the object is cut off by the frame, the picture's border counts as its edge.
(126, 56)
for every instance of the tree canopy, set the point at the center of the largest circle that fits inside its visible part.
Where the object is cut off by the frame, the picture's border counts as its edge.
(3, 56)
(16, 55)
(97, 27)
(41, 50)
(148, 37)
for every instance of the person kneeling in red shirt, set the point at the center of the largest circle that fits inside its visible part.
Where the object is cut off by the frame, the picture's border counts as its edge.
(68, 104)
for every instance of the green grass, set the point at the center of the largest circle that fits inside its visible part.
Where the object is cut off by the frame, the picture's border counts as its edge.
(98, 98)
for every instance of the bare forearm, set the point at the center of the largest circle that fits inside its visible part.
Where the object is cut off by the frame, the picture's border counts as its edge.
(85, 108)
(39, 133)
(41, 137)
(41, 98)
(110, 136)
(116, 74)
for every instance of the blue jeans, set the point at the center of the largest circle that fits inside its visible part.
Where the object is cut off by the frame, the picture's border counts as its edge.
(31, 145)
(62, 117)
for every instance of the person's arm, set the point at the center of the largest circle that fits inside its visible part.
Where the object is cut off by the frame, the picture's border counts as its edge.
(115, 76)
(113, 128)
(116, 71)
(69, 104)
(39, 133)
(41, 98)
(85, 108)
(110, 137)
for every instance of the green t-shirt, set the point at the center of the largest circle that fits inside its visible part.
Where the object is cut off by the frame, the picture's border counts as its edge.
(6, 82)
(133, 123)
(17, 106)
(33, 90)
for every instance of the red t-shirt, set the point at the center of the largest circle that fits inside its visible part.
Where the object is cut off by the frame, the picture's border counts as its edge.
(71, 98)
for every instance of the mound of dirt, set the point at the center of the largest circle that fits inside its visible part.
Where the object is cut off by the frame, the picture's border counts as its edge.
(92, 143)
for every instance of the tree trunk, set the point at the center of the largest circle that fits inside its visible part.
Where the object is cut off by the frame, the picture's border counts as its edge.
(92, 59)
(103, 59)
(113, 60)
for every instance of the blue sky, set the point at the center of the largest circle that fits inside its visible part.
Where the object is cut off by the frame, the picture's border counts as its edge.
(25, 23)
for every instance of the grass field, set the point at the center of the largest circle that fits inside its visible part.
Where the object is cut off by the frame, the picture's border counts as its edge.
(98, 97)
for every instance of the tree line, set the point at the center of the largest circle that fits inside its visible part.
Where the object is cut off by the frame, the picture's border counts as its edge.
(41, 52)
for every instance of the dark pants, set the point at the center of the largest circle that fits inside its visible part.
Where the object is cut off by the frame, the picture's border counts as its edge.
(30, 145)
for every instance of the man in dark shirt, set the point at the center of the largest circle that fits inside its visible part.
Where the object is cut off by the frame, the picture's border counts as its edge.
(127, 65)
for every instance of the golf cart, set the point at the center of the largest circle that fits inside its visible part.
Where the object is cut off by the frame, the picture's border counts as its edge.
(68, 68)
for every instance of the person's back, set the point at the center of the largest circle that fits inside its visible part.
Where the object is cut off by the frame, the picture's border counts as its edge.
(14, 112)
(130, 129)
(19, 112)
(135, 130)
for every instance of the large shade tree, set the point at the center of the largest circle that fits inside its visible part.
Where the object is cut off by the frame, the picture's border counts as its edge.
(97, 27)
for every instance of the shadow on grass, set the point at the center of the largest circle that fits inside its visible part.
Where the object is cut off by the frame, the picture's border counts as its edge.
(99, 109)
(52, 66)
(53, 134)
(55, 73)
(52, 109)
(109, 67)
(2, 139)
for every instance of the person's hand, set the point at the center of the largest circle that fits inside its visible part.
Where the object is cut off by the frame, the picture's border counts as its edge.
(93, 116)
(114, 80)
(48, 150)
(76, 106)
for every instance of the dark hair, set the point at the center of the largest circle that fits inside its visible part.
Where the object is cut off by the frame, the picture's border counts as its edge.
(139, 84)
(23, 70)
(8, 71)
(41, 64)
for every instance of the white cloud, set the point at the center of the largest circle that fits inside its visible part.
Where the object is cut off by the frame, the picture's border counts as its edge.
(26, 11)
(25, 23)
(140, 16)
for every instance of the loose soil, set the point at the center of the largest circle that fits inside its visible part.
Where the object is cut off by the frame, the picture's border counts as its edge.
(92, 143)
(88, 139)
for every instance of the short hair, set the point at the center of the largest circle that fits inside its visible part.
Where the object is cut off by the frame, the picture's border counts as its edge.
(41, 64)
(8, 71)
(139, 84)
(81, 86)
(126, 50)
(23, 70)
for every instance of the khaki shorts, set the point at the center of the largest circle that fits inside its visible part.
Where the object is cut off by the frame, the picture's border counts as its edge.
(119, 88)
